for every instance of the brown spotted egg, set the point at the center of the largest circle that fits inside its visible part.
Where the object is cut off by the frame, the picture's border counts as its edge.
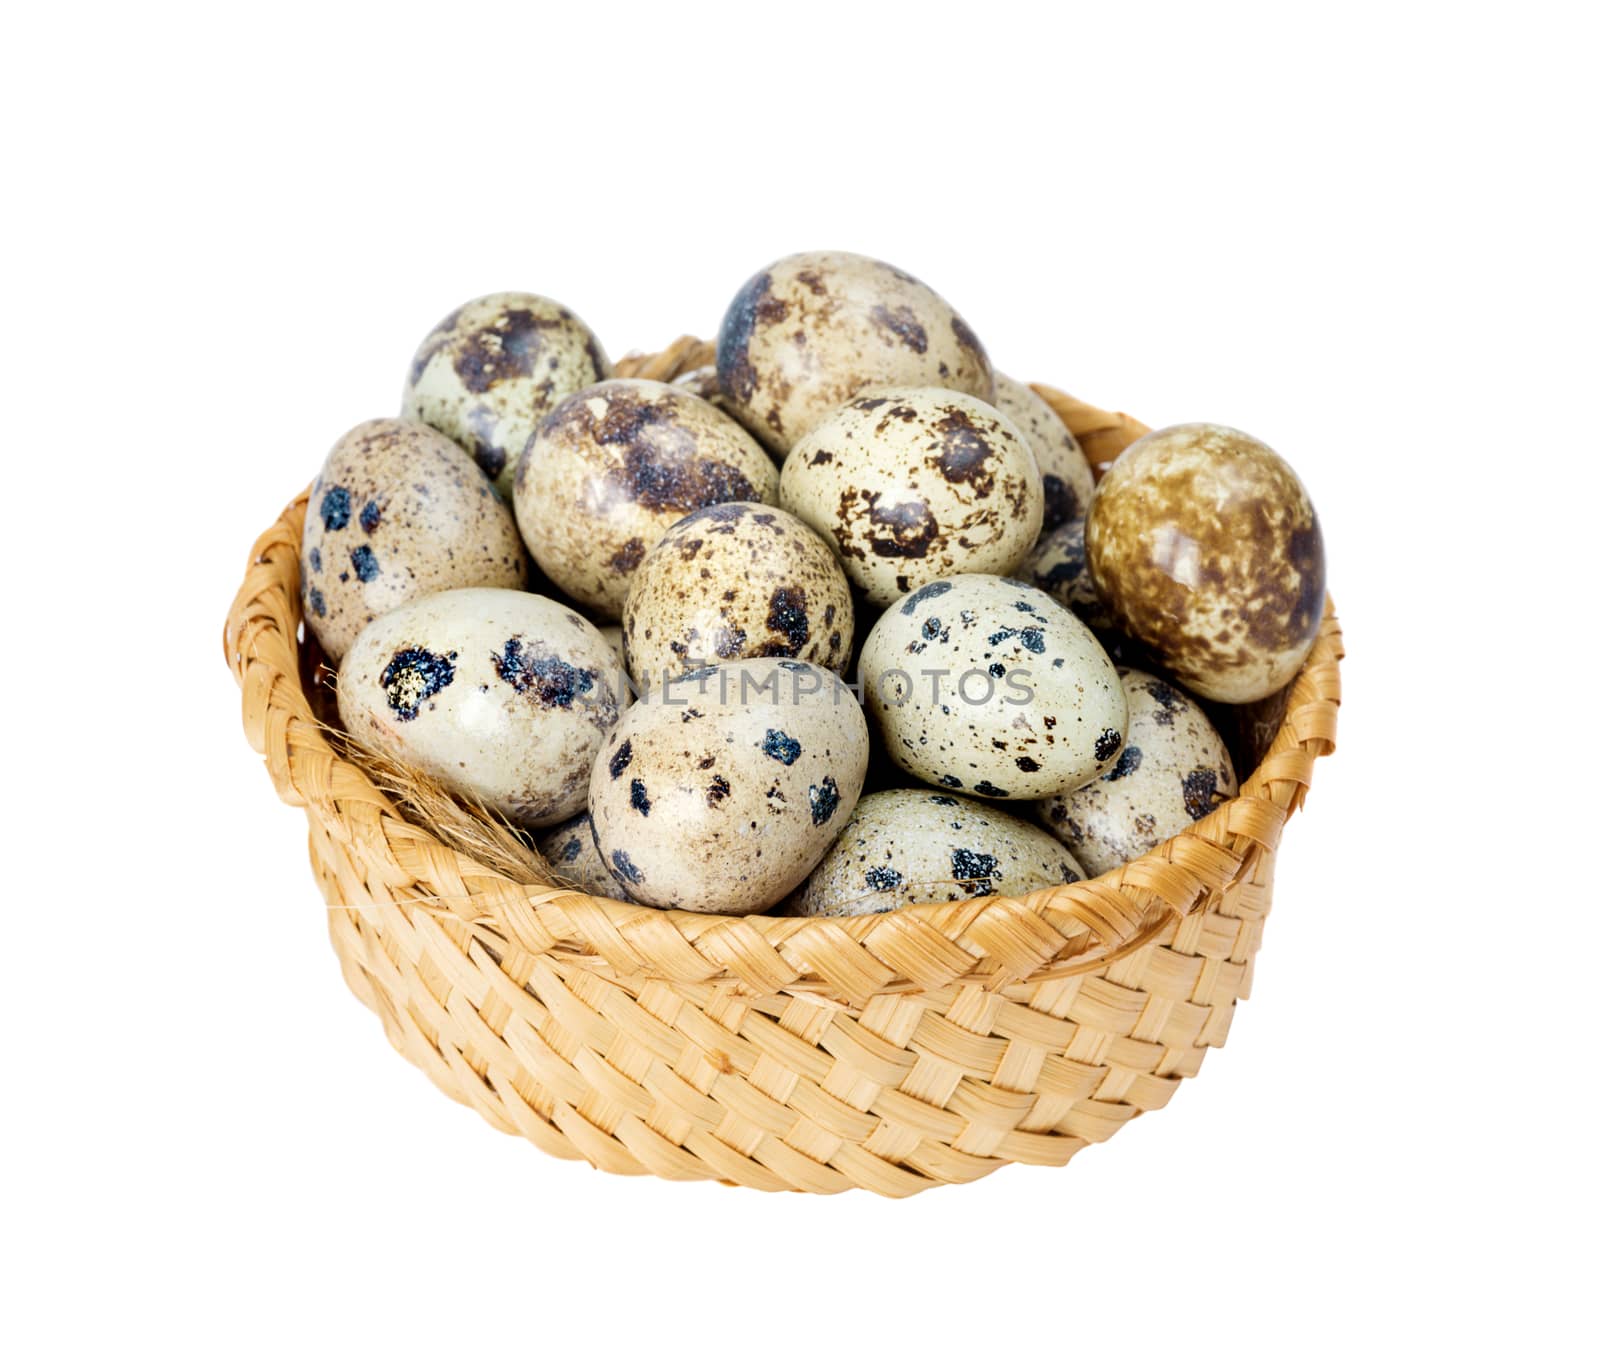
(490, 371)
(1058, 565)
(1173, 770)
(912, 484)
(398, 512)
(987, 686)
(1204, 545)
(1068, 484)
(501, 696)
(610, 470)
(921, 847)
(570, 850)
(720, 790)
(737, 580)
(811, 331)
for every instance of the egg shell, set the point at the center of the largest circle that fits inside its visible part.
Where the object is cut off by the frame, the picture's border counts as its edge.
(1059, 565)
(919, 847)
(574, 858)
(1173, 770)
(1068, 483)
(719, 791)
(737, 580)
(812, 331)
(610, 470)
(1204, 545)
(990, 687)
(398, 512)
(501, 696)
(489, 372)
(911, 484)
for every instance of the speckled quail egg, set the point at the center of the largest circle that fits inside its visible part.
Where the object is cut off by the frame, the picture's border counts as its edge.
(1173, 769)
(490, 370)
(398, 512)
(720, 790)
(920, 847)
(1204, 545)
(1068, 484)
(912, 484)
(612, 467)
(986, 685)
(1059, 566)
(502, 696)
(570, 850)
(811, 331)
(737, 580)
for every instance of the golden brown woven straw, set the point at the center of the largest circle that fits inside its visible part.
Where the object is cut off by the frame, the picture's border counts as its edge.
(891, 1052)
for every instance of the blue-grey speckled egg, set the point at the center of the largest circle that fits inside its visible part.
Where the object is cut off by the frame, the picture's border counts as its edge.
(505, 697)
(989, 687)
(918, 847)
(720, 790)
(1173, 769)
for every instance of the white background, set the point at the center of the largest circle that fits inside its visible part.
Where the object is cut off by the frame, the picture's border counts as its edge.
(1365, 235)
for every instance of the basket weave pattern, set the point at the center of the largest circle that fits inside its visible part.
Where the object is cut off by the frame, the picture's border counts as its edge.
(891, 1052)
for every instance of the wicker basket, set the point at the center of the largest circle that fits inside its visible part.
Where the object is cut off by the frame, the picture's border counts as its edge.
(893, 1052)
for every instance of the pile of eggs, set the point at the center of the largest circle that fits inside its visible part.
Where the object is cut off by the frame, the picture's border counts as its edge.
(676, 631)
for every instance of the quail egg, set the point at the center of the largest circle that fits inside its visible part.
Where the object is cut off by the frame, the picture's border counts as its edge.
(1204, 545)
(737, 580)
(398, 512)
(1173, 770)
(490, 370)
(986, 685)
(811, 331)
(570, 850)
(919, 847)
(501, 696)
(912, 484)
(1059, 566)
(720, 790)
(612, 467)
(1068, 484)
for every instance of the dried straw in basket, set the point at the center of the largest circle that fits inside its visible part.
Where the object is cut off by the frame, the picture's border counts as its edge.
(891, 1052)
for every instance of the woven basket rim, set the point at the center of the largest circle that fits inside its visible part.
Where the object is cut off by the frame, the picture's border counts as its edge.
(994, 940)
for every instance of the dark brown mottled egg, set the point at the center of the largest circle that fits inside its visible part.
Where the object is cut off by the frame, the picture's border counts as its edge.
(920, 847)
(1068, 484)
(720, 790)
(612, 467)
(398, 512)
(737, 580)
(912, 484)
(505, 697)
(811, 331)
(490, 370)
(1173, 770)
(1205, 547)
